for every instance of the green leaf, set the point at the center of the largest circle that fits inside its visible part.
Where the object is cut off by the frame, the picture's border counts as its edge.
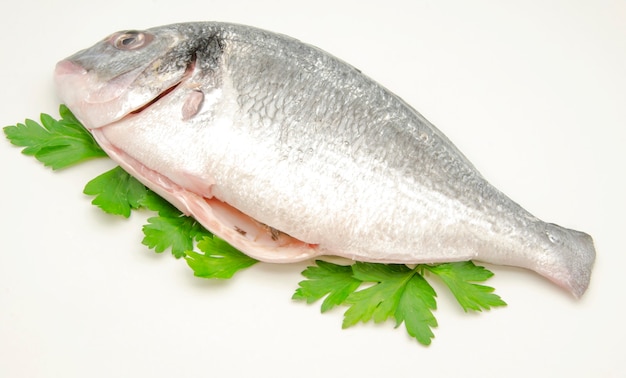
(335, 281)
(57, 144)
(398, 292)
(67, 115)
(171, 228)
(154, 202)
(175, 232)
(459, 276)
(218, 260)
(415, 309)
(380, 300)
(116, 192)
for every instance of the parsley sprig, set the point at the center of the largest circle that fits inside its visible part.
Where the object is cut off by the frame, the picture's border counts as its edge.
(370, 291)
(396, 292)
(116, 192)
(57, 144)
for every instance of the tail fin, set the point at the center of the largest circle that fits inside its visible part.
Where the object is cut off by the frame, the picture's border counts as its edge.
(569, 259)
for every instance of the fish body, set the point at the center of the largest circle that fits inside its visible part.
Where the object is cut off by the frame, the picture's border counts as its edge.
(289, 153)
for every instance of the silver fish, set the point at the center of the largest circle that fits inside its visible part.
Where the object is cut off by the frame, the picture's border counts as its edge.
(288, 153)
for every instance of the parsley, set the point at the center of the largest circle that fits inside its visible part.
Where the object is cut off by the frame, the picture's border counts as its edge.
(399, 293)
(459, 277)
(116, 192)
(391, 291)
(218, 260)
(336, 281)
(57, 144)
(395, 292)
(170, 229)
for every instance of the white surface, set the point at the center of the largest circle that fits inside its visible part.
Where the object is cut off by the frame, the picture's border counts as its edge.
(533, 93)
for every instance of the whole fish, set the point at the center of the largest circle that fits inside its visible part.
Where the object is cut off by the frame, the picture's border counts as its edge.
(288, 153)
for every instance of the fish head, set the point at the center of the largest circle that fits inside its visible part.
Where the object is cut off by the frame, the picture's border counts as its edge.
(123, 73)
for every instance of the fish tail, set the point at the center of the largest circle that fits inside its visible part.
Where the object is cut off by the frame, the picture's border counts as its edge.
(570, 259)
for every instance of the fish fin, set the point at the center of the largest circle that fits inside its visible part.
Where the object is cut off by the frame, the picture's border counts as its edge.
(571, 258)
(192, 104)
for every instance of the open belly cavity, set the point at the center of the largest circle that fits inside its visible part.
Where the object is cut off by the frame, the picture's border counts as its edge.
(250, 229)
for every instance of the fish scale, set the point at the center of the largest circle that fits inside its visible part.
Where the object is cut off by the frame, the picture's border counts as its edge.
(289, 153)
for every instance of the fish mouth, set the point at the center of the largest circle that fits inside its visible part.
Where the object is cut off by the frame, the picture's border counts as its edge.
(97, 104)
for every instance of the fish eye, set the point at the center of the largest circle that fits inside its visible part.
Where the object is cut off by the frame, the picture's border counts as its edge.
(130, 40)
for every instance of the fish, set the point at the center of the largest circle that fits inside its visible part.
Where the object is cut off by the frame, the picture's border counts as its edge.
(289, 153)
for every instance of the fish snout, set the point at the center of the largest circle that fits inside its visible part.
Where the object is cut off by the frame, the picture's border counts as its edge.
(70, 79)
(94, 100)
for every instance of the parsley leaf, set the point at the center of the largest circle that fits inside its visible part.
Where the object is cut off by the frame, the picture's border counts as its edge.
(218, 260)
(399, 292)
(415, 309)
(171, 228)
(459, 276)
(57, 144)
(155, 202)
(177, 232)
(116, 192)
(336, 281)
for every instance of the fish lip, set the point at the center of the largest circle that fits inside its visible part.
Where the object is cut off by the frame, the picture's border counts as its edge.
(68, 67)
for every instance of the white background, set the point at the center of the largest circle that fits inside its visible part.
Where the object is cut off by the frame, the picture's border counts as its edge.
(533, 92)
